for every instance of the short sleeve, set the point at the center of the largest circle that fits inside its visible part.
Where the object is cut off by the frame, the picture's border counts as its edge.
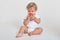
(37, 15)
(25, 16)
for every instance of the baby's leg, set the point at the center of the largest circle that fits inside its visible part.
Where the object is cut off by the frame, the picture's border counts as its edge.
(21, 31)
(36, 31)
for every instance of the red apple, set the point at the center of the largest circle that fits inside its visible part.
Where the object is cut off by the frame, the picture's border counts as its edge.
(30, 14)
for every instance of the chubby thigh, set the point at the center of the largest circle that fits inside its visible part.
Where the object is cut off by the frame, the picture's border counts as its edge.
(28, 30)
(36, 31)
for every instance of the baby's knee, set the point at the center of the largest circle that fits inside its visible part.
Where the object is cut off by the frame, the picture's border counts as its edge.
(22, 27)
(41, 29)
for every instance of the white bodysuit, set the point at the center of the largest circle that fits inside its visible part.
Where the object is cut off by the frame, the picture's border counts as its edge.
(32, 24)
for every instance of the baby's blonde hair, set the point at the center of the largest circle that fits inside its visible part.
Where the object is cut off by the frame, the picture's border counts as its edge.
(31, 4)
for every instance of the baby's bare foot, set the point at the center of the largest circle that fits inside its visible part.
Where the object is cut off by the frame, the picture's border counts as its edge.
(18, 35)
(30, 34)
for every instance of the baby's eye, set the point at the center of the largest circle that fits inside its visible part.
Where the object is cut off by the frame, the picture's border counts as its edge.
(28, 11)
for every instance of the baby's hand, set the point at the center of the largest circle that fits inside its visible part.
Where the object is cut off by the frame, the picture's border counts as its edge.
(32, 17)
(28, 18)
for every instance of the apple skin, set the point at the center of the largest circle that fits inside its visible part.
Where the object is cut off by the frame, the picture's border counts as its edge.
(30, 14)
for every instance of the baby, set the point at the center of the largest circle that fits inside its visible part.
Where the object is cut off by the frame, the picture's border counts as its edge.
(31, 22)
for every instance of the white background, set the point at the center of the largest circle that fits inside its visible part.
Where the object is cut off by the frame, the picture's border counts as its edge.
(12, 13)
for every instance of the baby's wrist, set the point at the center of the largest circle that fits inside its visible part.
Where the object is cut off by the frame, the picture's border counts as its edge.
(34, 18)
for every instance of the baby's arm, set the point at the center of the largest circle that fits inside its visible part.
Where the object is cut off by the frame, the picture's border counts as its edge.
(26, 21)
(37, 20)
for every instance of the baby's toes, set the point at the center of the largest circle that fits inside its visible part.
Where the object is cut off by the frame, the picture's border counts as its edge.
(29, 34)
(18, 35)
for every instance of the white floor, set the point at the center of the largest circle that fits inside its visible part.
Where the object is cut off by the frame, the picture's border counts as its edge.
(8, 32)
